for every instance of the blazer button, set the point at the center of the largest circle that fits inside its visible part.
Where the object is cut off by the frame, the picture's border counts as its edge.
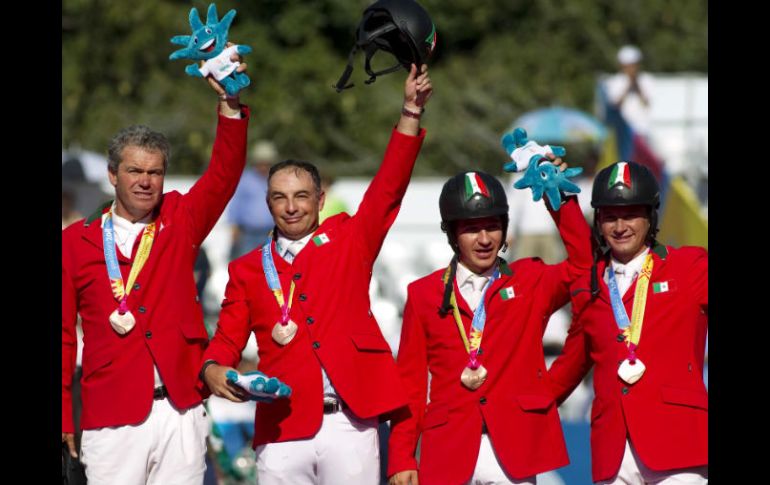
(142, 309)
(316, 344)
(148, 334)
(480, 351)
(624, 390)
(310, 320)
(621, 337)
(302, 297)
(297, 276)
(483, 400)
(136, 286)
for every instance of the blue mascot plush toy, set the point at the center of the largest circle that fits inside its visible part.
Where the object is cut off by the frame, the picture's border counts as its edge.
(208, 43)
(542, 176)
(259, 386)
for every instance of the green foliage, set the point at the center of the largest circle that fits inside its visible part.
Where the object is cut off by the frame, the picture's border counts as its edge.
(495, 60)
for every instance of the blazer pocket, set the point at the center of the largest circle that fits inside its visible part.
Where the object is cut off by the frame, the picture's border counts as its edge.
(366, 342)
(96, 360)
(685, 397)
(534, 402)
(435, 416)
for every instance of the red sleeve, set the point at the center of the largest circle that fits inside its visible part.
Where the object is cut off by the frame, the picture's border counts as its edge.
(69, 348)
(576, 236)
(382, 200)
(700, 278)
(207, 199)
(413, 369)
(574, 362)
(234, 324)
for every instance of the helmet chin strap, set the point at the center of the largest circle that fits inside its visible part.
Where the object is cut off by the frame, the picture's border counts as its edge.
(370, 45)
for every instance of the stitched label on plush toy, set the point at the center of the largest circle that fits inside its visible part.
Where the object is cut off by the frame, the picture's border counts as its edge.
(523, 155)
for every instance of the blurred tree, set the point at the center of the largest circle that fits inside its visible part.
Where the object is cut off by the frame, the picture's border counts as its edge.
(495, 60)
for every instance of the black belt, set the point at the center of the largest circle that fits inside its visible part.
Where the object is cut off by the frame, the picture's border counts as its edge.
(160, 393)
(333, 405)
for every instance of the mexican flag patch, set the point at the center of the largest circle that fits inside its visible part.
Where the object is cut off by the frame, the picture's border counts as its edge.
(507, 293)
(321, 239)
(621, 174)
(663, 286)
(474, 185)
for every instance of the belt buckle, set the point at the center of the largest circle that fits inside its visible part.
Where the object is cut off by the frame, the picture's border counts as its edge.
(159, 393)
(332, 406)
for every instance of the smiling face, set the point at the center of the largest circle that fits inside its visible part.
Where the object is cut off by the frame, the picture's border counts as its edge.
(294, 202)
(479, 240)
(138, 182)
(625, 229)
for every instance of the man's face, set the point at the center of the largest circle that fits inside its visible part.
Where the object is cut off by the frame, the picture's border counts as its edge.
(138, 182)
(625, 230)
(479, 241)
(294, 202)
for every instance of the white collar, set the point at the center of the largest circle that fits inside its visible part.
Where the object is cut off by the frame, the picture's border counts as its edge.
(283, 243)
(464, 275)
(631, 268)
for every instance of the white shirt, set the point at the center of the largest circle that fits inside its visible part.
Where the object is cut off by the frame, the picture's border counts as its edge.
(288, 249)
(471, 284)
(625, 274)
(126, 233)
(633, 109)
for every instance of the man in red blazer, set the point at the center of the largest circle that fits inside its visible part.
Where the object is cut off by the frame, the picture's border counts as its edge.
(127, 270)
(490, 417)
(305, 295)
(640, 317)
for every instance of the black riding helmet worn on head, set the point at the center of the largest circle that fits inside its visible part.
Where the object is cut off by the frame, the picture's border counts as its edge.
(623, 184)
(401, 27)
(471, 195)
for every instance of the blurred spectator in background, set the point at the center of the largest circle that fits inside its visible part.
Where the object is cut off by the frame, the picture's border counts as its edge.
(248, 212)
(334, 203)
(68, 212)
(630, 90)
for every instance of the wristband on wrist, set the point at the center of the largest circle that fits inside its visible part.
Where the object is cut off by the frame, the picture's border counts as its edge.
(205, 366)
(412, 114)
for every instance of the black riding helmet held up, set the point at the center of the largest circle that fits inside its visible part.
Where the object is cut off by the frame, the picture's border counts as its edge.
(471, 195)
(401, 27)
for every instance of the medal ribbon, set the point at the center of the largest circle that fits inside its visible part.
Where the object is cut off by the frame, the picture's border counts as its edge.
(271, 275)
(119, 290)
(479, 320)
(634, 333)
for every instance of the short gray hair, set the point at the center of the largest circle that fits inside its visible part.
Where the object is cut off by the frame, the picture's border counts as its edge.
(139, 136)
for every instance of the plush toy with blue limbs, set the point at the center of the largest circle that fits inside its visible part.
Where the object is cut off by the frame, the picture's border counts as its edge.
(208, 43)
(259, 386)
(542, 176)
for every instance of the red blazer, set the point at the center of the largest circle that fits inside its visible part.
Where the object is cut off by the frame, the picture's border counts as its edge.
(516, 401)
(665, 413)
(117, 382)
(331, 307)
